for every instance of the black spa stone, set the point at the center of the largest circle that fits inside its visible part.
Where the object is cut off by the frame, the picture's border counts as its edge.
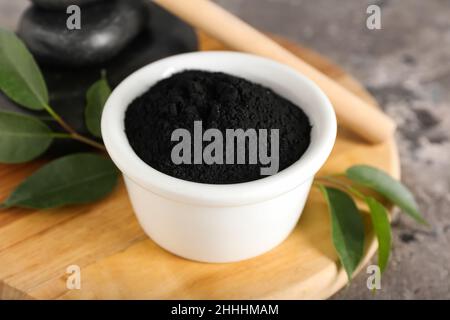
(106, 29)
(163, 35)
(62, 4)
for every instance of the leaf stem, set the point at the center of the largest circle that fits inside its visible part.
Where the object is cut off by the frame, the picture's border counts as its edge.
(61, 135)
(72, 133)
(88, 141)
(58, 119)
(333, 180)
(320, 183)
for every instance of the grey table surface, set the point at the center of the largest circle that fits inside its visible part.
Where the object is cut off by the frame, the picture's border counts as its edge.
(406, 66)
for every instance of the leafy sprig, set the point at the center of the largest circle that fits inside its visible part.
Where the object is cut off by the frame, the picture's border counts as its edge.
(87, 177)
(346, 223)
(22, 81)
(72, 179)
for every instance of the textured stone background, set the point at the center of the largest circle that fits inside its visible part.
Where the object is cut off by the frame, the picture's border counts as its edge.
(406, 66)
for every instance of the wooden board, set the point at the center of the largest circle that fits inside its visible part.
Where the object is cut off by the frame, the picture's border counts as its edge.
(118, 261)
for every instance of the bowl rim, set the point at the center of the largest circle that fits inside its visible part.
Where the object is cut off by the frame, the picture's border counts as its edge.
(134, 168)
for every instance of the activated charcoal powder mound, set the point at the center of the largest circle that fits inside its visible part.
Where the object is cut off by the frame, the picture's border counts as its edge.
(220, 101)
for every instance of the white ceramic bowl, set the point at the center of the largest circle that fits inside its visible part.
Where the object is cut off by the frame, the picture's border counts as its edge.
(220, 223)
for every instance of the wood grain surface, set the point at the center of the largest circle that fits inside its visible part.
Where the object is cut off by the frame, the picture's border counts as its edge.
(119, 261)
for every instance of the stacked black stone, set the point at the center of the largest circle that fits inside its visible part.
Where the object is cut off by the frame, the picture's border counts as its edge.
(119, 36)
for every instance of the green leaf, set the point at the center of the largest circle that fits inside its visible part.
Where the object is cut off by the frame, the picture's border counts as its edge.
(22, 138)
(347, 228)
(387, 186)
(96, 98)
(20, 77)
(382, 228)
(74, 179)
